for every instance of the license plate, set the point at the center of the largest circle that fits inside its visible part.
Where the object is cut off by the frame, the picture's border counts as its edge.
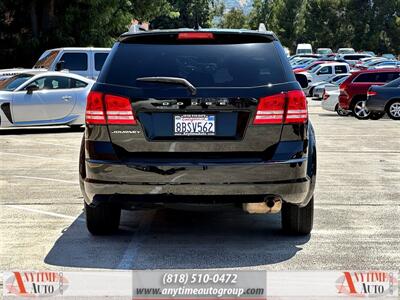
(197, 125)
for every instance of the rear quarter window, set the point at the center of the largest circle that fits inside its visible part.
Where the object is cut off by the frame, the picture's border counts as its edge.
(204, 65)
(377, 77)
(99, 59)
(75, 61)
(394, 83)
(354, 57)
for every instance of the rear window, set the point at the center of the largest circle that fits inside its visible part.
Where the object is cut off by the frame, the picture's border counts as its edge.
(394, 83)
(377, 77)
(203, 65)
(354, 57)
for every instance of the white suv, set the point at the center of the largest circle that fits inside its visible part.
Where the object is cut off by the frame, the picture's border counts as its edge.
(325, 71)
(86, 62)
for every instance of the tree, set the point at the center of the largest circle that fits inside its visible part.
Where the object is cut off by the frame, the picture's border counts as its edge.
(27, 28)
(260, 13)
(189, 14)
(235, 18)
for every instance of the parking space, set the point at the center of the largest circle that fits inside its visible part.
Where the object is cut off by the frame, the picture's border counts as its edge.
(356, 214)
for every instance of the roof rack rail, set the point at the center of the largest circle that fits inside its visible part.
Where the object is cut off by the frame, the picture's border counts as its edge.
(136, 28)
(262, 27)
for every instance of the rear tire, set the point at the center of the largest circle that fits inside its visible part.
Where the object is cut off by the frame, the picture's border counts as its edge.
(102, 219)
(311, 92)
(340, 111)
(393, 110)
(376, 115)
(298, 220)
(360, 110)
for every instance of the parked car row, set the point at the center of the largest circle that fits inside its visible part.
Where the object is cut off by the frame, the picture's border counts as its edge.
(345, 81)
(366, 94)
(54, 91)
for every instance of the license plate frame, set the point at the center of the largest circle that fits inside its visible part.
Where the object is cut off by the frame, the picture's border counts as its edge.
(194, 125)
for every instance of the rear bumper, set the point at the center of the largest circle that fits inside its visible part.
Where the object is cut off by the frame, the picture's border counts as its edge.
(376, 104)
(243, 181)
(344, 102)
(318, 93)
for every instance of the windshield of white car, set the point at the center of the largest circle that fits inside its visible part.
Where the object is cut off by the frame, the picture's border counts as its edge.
(374, 62)
(12, 83)
(45, 61)
(341, 80)
(313, 69)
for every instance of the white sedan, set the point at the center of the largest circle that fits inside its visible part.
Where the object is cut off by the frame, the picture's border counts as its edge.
(330, 102)
(43, 98)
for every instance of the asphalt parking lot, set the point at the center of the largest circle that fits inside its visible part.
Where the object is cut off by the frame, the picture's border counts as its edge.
(356, 227)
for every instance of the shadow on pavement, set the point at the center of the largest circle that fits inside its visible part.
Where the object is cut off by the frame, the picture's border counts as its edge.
(333, 114)
(39, 130)
(163, 239)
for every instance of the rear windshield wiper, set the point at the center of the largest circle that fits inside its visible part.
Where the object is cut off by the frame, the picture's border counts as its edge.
(173, 80)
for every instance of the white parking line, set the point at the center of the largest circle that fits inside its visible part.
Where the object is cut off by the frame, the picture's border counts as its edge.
(48, 179)
(24, 141)
(132, 249)
(45, 212)
(36, 156)
(144, 227)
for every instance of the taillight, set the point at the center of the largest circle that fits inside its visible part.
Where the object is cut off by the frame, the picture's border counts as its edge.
(288, 108)
(371, 93)
(325, 96)
(108, 109)
(270, 110)
(296, 108)
(95, 109)
(119, 110)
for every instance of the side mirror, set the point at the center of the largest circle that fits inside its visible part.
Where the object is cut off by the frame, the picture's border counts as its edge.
(302, 79)
(60, 65)
(30, 89)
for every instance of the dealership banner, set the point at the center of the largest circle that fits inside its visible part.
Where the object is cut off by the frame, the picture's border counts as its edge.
(200, 284)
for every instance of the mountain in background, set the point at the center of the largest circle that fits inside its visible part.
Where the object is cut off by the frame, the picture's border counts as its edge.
(244, 4)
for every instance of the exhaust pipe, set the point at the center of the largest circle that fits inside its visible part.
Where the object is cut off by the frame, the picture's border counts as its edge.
(271, 205)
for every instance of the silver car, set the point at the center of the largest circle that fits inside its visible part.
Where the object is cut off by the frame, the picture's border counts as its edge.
(43, 98)
(333, 82)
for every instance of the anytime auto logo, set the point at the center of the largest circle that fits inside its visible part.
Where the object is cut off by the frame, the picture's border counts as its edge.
(35, 284)
(367, 284)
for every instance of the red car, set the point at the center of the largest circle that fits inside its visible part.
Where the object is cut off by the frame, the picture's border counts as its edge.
(353, 91)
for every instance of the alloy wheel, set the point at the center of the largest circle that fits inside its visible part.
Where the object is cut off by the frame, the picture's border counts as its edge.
(360, 110)
(394, 111)
(340, 111)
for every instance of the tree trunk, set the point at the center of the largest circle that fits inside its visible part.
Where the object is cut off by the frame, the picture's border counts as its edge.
(34, 19)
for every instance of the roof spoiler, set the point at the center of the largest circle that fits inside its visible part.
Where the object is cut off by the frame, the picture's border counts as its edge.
(262, 27)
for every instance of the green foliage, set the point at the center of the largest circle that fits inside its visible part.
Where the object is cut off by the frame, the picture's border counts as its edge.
(235, 18)
(27, 28)
(189, 14)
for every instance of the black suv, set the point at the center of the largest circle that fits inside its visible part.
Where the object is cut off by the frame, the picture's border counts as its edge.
(198, 117)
